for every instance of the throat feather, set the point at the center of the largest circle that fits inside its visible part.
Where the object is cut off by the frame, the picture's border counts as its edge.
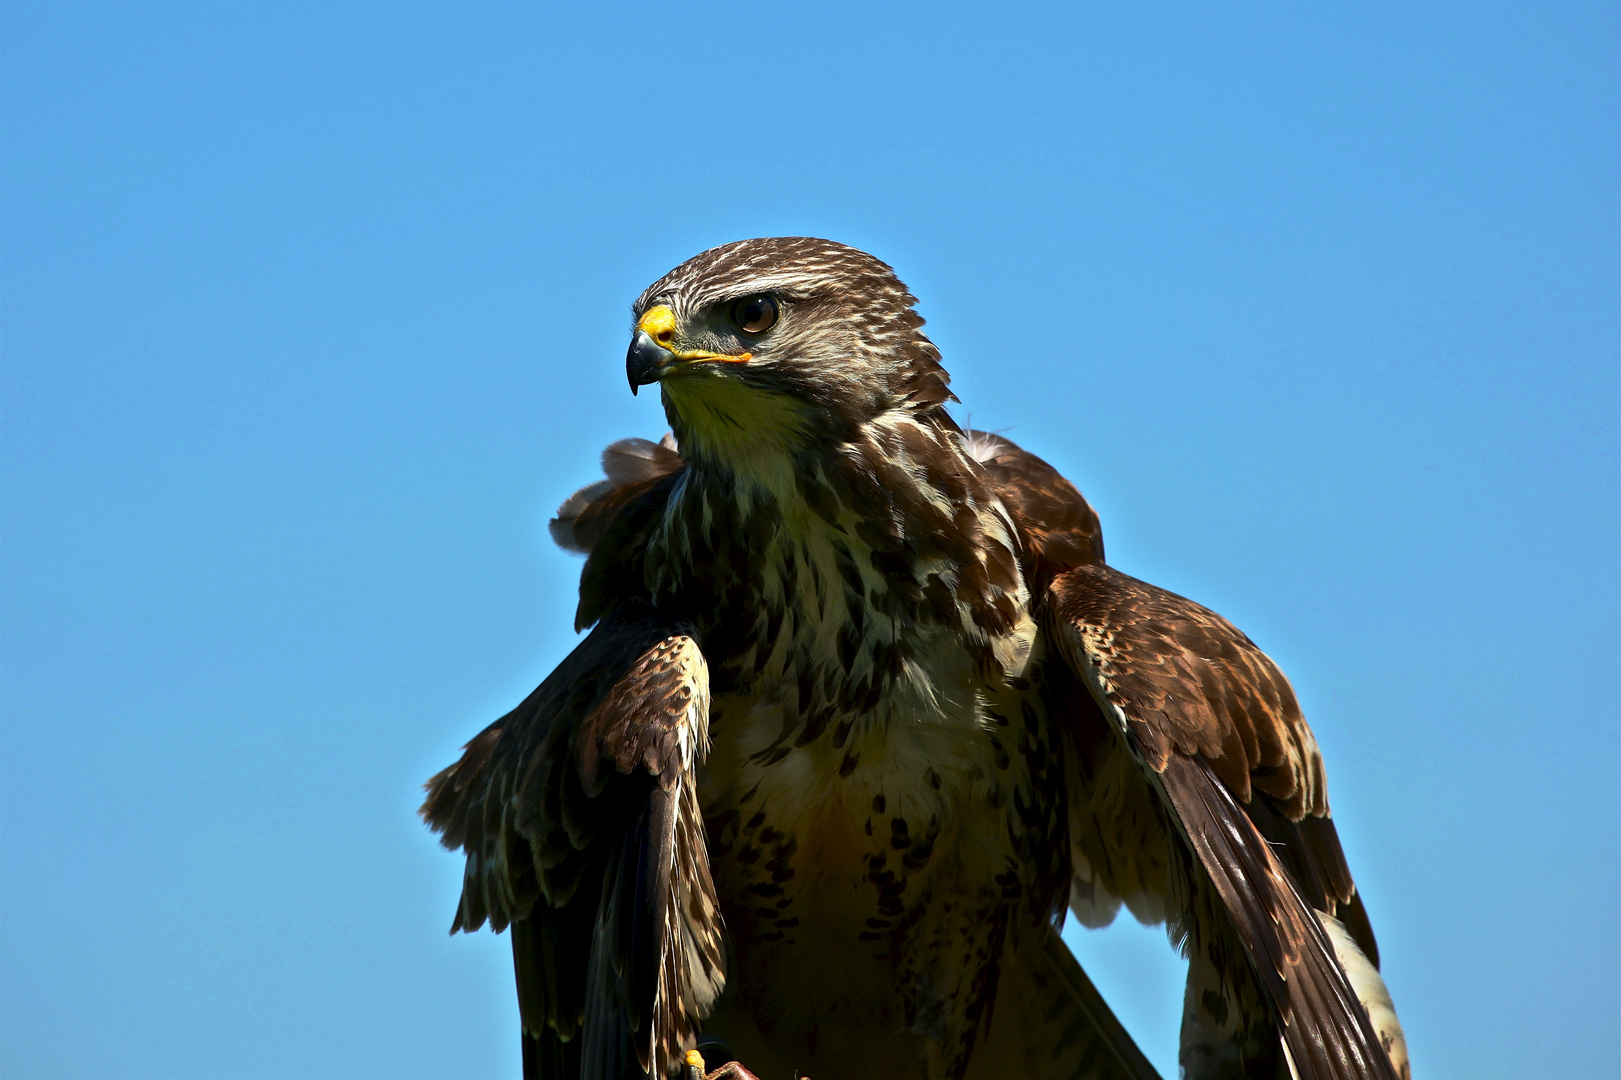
(879, 570)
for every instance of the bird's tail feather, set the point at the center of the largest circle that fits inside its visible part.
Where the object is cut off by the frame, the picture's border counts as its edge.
(1051, 1023)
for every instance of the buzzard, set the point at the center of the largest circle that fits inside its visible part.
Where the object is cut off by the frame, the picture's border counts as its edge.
(861, 714)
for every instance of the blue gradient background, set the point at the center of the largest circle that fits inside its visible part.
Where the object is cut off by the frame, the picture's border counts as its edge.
(312, 314)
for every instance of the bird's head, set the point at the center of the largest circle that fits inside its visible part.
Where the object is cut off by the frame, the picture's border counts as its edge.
(772, 343)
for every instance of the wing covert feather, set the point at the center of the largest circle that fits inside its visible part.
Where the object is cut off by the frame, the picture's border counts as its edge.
(1192, 683)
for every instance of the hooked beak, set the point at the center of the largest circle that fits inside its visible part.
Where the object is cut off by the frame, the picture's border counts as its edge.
(650, 355)
(646, 360)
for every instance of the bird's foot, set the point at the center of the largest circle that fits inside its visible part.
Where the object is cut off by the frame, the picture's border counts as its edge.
(731, 1070)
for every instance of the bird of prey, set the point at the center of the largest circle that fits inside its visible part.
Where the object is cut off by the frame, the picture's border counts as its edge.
(861, 713)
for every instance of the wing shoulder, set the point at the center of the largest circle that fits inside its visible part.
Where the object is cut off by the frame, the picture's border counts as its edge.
(1057, 527)
(630, 467)
(611, 521)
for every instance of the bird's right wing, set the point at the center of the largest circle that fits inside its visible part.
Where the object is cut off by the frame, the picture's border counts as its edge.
(631, 467)
(579, 815)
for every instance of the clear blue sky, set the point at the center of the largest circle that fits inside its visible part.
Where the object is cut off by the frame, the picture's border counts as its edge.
(312, 314)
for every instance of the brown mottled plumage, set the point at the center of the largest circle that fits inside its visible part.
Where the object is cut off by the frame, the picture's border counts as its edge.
(862, 711)
(578, 811)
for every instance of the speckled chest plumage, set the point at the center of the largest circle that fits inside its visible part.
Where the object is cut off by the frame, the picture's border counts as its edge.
(879, 795)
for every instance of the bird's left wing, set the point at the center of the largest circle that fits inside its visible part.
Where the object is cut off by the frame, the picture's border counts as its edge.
(1184, 742)
(1216, 730)
(578, 812)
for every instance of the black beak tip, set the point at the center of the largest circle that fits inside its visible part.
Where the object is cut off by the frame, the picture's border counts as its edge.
(645, 361)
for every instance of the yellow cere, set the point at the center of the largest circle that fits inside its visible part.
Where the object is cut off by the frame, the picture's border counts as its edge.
(659, 323)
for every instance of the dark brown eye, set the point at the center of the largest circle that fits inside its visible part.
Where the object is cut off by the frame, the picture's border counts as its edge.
(755, 314)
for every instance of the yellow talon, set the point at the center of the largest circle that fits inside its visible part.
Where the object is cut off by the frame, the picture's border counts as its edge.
(696, 1060)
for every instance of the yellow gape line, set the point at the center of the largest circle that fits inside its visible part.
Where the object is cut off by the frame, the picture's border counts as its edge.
(658, 323)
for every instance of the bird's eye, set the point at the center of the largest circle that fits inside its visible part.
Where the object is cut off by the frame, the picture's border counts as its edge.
(755, 314)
